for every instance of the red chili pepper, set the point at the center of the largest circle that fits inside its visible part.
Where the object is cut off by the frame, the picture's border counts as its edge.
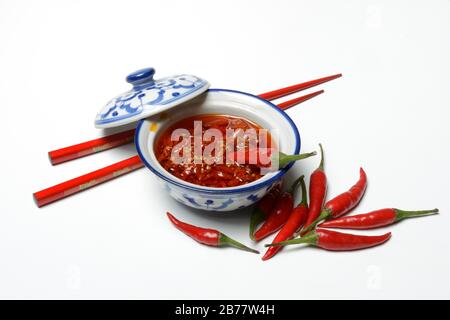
(263, 207)
(210, 237)
(343, 203)
(337, 241)
(296, 220)
(317, 192)
(279, 213)
(264, 157)
(374, 219)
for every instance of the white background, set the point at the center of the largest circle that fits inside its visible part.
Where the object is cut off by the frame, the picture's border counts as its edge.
(60, 61)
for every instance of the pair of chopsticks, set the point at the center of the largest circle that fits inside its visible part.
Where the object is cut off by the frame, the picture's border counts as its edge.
(120, 168)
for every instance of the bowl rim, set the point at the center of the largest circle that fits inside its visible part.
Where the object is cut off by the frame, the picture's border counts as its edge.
(238, 189)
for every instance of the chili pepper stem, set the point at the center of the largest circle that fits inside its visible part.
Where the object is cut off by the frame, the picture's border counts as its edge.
(294, 186)
(284, 159)
(304, 201)
(323, 215)
(321, 158)
(225, 240)
(310, 238)
(402, 214)
(257, 217)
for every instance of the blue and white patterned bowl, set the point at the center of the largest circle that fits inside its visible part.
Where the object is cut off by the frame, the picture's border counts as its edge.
(219, 101)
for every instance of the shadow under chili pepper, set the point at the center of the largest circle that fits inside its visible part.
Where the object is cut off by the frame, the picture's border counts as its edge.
(305, 247)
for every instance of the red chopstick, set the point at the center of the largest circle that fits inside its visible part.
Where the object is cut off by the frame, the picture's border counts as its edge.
(108, 142)
(86, 181)
(89, 147)
(290, 103)
(115, 170)
(297, 87)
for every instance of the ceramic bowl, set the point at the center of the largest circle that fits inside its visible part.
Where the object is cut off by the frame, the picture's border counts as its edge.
(219, 101)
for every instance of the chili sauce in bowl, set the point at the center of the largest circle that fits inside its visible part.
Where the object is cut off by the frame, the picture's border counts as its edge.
(218, 172)
(214, 186)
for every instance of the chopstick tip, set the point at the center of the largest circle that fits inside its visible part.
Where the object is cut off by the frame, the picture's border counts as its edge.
(50, 158)
(36, 201)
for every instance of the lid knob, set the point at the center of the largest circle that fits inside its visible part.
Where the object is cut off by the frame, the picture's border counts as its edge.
(141, 76)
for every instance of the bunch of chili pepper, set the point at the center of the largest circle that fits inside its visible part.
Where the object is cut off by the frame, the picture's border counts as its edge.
(276, 212)
(334, 209)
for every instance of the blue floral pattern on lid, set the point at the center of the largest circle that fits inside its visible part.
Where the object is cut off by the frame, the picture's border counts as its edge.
(148, 97)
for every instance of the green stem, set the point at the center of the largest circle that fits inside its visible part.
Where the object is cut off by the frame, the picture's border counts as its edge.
(256, 218)
(294, 186)
(284, 159)
(304, 195)
(321, 158)
(401, 214)
(323, 215)
(225, 240)
(310, 238)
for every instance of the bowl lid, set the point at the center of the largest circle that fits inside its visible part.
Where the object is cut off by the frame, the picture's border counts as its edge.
(148, 97)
